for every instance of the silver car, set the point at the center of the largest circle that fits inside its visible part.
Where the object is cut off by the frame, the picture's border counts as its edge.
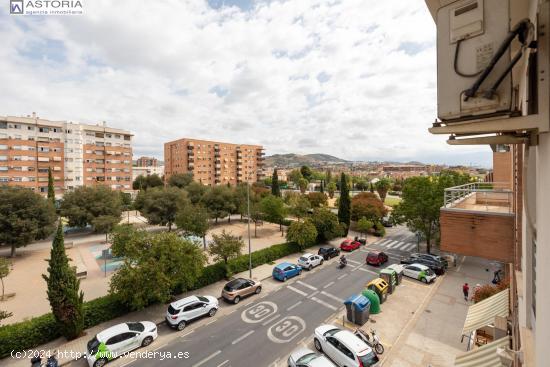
(304, 357)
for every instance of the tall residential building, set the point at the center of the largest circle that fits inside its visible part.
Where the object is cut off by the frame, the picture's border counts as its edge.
(147, 162)
(214, 163)
(78, 154)
(495, 92)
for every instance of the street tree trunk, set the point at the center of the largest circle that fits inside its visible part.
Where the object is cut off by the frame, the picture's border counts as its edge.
(204, 242)
(12, 251)
(2, 280)
(255, 229)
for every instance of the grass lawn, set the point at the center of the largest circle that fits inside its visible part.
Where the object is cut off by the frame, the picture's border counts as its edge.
(392, 201)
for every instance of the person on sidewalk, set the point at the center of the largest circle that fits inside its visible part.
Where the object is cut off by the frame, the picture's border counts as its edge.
(465, 290)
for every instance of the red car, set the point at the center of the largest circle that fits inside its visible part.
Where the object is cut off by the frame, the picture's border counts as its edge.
(376, 258)
(349, 245)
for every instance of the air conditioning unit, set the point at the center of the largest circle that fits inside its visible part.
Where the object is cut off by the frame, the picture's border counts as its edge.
(469, 35)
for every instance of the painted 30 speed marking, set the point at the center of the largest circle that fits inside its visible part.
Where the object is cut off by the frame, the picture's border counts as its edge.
(259, 312)
(286, 329)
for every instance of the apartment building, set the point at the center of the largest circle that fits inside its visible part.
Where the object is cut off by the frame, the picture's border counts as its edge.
(77, 154)
(147, 162)
(214, 163)
(493, 89)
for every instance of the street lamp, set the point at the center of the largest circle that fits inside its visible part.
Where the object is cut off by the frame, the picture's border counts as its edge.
(248, 210)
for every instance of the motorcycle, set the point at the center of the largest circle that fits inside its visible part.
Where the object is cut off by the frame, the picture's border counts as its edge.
(342, 264)
(373, 342)
(51, 361)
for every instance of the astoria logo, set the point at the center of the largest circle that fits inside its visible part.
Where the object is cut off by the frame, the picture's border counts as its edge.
(46, 7)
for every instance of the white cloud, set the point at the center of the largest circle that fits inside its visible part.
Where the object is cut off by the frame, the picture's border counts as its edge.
(353, 78)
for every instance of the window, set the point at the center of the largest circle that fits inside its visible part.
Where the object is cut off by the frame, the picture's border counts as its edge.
(115, 339)
(4, 179)
(3, 157)
(43, 129)
(3, 168)
(3, 147)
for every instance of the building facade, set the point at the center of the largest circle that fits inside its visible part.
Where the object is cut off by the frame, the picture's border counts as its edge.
(505, 220)
(147, 162)
(214, 163)
(147, 171)
(77, 154)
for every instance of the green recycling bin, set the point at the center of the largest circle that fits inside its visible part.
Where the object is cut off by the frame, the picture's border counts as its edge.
(374, 301)
(390, 276)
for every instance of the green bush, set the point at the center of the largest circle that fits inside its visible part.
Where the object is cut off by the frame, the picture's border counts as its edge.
(380, 231)
(40, 330)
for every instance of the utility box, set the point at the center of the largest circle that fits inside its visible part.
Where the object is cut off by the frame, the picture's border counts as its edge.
(469, 33)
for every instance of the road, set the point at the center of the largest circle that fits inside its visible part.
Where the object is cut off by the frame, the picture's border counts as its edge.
(265, 331)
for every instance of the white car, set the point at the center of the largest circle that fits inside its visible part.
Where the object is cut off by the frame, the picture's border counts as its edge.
(305, 357)
(113, 342)
(309, 261)
(181, 312)
(343, 347)
(419, 272)
(398, 268)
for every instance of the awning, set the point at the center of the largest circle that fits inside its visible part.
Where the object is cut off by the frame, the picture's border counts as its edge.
(485, 356)
(483, 313)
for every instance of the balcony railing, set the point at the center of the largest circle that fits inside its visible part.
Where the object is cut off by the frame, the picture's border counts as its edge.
(491, 197)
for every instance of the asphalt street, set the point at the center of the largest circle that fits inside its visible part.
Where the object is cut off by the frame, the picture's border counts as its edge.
(265, 331)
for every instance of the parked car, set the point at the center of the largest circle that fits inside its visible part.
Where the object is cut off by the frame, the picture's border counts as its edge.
(309, 261)
(187, 309)
(420, 272)
(386, 222)
(362, 241)
(376, 258)
(343, 347)
(328, 252)
(397, 267)
(440, 259)
(113, 342)
(349, 245)
(305, 357)
(239, 288)
(285, 271)
(436, 266)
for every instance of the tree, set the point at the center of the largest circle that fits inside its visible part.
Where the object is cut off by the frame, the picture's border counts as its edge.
(98, 206)
(371, 188)
(421, 202)
(273, 209)
(302, 233)
(302, 184)
(51, 188)
(317, 199)
(328, 176)
(195, 192)
(367, 205)
(299, 205)
(326, 223)
(193, 220)
(125, 200)
(161, 205)
(322, 187)
(25, 217)
(382, 187)
(146, 182)
(306, 172)
(295, 175)
(275, 189)
(362, 185)
(364, 225)
(156, 266)
(344, 215)
(64, 295)
(225, 247)
(4, 271)
(220, 202)
(181, 180)
(331, 187)
(124, 238)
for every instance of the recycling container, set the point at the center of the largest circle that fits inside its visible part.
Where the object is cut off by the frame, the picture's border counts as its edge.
(357, 308)
(374, 300)
(390, 276)
(398, 271)
(380, 286)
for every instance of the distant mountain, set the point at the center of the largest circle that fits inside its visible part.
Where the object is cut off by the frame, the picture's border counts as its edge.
(295, 160)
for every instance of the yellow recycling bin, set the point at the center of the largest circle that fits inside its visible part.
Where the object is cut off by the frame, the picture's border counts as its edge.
(380, 286)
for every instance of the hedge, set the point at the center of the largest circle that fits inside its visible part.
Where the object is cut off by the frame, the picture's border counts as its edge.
(43, 329)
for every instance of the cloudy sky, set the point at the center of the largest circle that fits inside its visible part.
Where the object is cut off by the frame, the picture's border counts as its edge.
(352, 78)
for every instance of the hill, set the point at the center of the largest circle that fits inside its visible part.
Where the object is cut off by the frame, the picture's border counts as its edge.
(295, 160)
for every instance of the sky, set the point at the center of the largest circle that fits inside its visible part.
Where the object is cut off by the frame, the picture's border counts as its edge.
(351, 78)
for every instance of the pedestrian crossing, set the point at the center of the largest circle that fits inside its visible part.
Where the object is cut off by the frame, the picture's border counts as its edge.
(396, 245)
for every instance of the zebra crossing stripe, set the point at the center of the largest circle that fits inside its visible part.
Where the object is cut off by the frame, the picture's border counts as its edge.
(409, 246)
(381, 243)
(401, 246)
(393, 244)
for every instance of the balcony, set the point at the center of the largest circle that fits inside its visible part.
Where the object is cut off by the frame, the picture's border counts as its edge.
(477, 219)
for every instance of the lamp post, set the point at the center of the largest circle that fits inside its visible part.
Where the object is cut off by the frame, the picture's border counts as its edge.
(249, 246)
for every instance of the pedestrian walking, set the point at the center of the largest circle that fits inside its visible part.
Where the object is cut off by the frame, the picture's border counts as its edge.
(465, 290)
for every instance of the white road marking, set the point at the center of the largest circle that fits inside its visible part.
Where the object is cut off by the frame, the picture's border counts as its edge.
(383, 242)
(306, 285)
(328, 285)
(184, 335)
(271, 319)
(294, 306)
(207, 359)
(367, 271)
(313, 294)
(409, 246)
(393, 244)
(399, 245)
(332, 296)
(354, 262)
(127, 363)
(242, 337)
(296, 290)
(210, 322)
(323, 303)
(357, 267)
(342, 276)
(223, 363)
(160, 346)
